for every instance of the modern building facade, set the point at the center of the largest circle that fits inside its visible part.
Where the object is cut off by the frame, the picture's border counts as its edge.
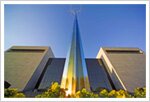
(125, 66)
(24, 65)
(35, 68)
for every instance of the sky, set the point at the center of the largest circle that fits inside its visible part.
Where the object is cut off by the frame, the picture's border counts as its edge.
(50, 25)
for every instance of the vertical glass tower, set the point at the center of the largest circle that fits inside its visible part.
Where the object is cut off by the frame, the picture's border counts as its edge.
(75, 76)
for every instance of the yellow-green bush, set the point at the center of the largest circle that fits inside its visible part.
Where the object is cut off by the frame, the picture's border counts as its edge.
(104, 93)
(112, 94)
(85, 94)
(56, 92)
(53, 92)
(13, 93)
(122, 94)
(140, 92)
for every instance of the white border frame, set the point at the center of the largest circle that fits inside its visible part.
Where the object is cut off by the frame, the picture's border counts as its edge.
(74, 2)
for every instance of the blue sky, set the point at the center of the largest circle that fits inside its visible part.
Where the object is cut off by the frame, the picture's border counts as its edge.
(52, 25)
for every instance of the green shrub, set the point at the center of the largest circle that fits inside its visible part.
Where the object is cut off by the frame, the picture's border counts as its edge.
(13, 93)
(104, 93)
(122, 94)
(114, 94)
(20, 95)
(140, 92)
(85, 94)
(53, 92)
(56, 92)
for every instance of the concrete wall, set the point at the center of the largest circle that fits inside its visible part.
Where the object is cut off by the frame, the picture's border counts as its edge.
(24, 65)
(126, 66)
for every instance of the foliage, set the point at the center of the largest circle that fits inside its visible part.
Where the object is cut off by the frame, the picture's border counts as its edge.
(85, 94)
(122, 94)
(13, 93)
(114, 94)
(104, 93)
(140, 92)
(56, 92)
(98, 89)
(53, 92)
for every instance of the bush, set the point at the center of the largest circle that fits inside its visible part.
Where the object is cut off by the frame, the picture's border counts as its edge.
(114, 94)
(20, 95)
(104, 93)
(56, 92)
(13, 93)
(85, 94)
(53, 92)
(122, 94)
(140, 92)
